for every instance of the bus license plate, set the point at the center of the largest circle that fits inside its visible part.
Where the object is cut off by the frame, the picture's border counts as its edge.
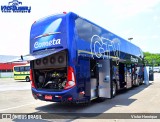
(48, 97)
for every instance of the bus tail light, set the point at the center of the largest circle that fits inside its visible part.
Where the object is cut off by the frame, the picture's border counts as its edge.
(70, 78)
(31, 77)
(57, 96)
(70, 99)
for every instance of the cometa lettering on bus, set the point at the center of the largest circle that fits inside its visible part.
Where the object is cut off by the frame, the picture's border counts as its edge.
(46, 44)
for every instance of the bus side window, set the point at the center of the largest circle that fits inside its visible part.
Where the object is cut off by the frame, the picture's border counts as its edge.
(16, 69)
(22, 69)
(27, 68)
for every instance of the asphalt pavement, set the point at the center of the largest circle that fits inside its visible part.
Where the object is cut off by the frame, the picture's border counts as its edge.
(16, 98)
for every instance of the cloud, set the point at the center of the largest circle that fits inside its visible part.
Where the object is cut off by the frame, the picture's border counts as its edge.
(156, 18)
(155, 36)
(127, 8)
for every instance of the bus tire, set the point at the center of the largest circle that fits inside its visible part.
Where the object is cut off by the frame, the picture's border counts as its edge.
(27, 79)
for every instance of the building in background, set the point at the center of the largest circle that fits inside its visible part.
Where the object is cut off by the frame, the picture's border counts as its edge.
(6, 69)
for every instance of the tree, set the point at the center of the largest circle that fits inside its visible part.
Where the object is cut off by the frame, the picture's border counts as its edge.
(152, 58)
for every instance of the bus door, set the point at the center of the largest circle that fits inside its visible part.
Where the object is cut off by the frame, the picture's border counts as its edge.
(128, 75)
(118, 74)
(94, 79)
(83, 76)
(122, 82)
(104, 88)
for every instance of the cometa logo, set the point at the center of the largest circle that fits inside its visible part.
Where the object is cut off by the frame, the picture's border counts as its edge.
(15, 6)
(47, 43)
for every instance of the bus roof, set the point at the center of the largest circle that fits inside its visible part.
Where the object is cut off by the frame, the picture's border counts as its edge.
(22, 65)
(104, 35)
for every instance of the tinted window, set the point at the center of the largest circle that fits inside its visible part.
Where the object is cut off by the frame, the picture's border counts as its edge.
(27, 68)
(86, 30)
(21, 69)
(16, 69)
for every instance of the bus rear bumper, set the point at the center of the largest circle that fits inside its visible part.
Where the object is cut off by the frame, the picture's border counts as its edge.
(69, 95)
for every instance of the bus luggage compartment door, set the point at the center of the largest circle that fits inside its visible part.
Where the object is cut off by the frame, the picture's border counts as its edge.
(104, 88)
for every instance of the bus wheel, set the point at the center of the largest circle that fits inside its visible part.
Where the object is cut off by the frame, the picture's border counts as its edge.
(114, 89)
(27, 79)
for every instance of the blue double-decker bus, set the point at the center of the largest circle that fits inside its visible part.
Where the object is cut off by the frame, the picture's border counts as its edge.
(75, 60)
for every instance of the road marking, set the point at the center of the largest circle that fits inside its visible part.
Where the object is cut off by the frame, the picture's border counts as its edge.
(16, 107)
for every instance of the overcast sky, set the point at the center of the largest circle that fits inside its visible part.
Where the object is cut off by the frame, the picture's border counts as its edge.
(139, 19)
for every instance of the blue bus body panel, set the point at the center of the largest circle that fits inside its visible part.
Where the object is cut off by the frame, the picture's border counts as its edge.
(48, 33)
(65, 94)
(102, 43)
